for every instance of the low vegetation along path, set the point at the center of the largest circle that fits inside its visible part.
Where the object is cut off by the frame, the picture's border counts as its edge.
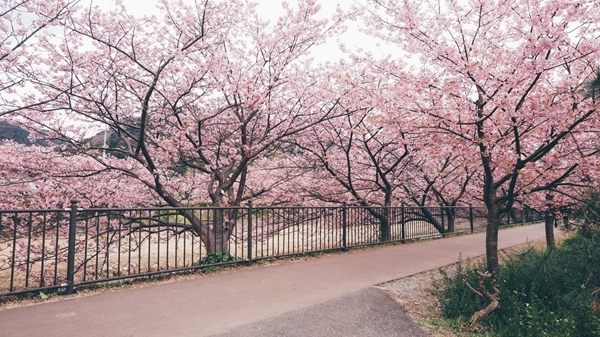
(328, 296)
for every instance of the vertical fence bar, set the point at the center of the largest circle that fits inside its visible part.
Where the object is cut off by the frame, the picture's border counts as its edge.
(28, 261)
(222, 232)
(85, 251)
(16, 223)
(120, 229)
(217, 216)
(97, 253)
(107, 246)
(192, 259)
(471, 217)
(522, 219)
(403, 227)
(176, 237)
(270, 230)
(71, 254)
(203, 241)
(262, 230)
(442, 218)
(344, 226)
(129, 263)
(43, 258)
(167, 229)
(292, 226)
(249, 236)
(284, 231)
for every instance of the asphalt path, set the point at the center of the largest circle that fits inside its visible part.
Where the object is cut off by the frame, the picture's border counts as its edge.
(328, 296)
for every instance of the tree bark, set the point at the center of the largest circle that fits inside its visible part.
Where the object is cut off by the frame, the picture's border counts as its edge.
(385, 229)
(220, 233)
(549, 221)
(491, 238)
(482, 292)
(450, 216)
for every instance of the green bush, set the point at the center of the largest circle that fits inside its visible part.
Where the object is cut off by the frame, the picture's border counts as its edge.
(218, 257)
(543, 293)
(454, 292)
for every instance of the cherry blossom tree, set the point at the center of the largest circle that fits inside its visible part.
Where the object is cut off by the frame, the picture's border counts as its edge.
(504, 80)
(197, 98)
(358, 163)
(40, 177)
(440, 177)
(377, 158)
(362, 158)
(21, 22)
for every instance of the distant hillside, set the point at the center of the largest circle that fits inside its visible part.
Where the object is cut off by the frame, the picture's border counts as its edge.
(14, 132)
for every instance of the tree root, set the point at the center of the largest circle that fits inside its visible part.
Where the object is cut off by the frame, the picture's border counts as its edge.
(482, 292)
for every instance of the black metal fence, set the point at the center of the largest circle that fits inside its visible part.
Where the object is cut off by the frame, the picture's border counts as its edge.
(60, 249)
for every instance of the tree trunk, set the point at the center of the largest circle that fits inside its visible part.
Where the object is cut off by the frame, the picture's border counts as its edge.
(450, 216)
(549, 221)
(382, 215)
(494, 299)
(513, 215)
(220, 233)
(491, 238)
(424, 214)
(385, 228)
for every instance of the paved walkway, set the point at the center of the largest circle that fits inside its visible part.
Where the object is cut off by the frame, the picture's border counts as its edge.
(328, 296)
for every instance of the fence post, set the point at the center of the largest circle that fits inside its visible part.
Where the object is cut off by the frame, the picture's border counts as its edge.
(442, 216)
(71, 252)
(250, 211)
(403, 228)
(471, 217)
(344, 226)
(522, 218)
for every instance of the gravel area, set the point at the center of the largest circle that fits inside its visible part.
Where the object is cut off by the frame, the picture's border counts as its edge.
(415, 294)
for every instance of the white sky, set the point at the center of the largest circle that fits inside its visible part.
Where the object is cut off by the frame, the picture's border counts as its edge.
(272, 9)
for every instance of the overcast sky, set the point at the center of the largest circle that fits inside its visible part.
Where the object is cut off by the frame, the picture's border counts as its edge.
(272, 9)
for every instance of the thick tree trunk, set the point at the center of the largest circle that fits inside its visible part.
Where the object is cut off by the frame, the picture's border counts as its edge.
(491, 238)
(220, 233)
(424, 213)
(382, 215)
(549, 221)
(219, 242)
(215, 234)
(450, 216)
(385, 229)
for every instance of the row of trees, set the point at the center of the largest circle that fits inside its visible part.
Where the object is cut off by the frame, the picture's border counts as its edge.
(206, 103)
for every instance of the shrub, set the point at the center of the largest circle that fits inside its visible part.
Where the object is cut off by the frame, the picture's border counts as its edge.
(589, 211)
(218, 257)
(543, 293)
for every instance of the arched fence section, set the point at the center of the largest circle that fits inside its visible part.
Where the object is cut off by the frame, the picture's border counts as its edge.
(60, 249)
